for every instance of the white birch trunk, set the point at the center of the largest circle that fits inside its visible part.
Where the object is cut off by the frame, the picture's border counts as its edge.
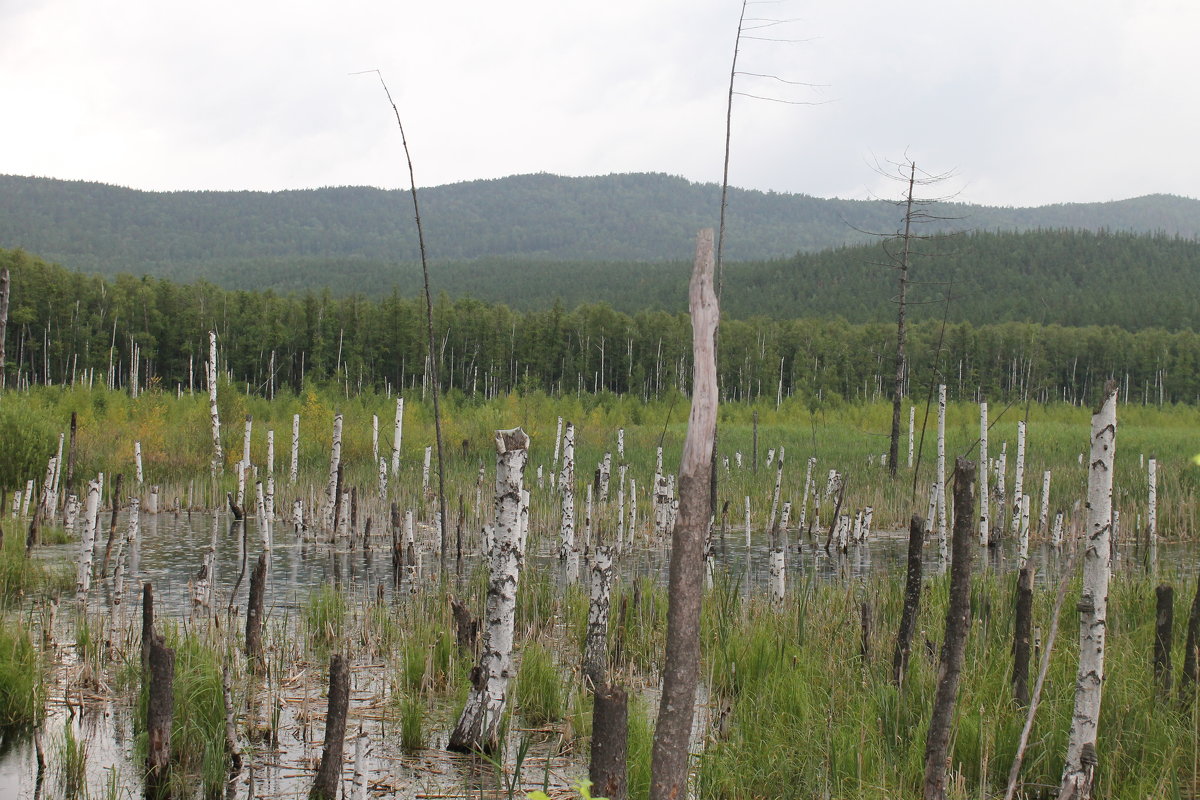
(478, 727)
(270, 452)
(57, 477)
(294, 468)
(621, 444)
(777, 576)
(397, 435)
(1152, 500)
(335, 459)
(425, 470)
(566, 487)
(595, 656)
(984, 518)
(1056, 532)
(808, 474)
(1019, 478)
(775, 494)
(374, 438)
(632, 509)
(383, 480)
(912, 421)
(1045, 514)
(218, 462)
(557, 445)
(524, 526)
(71, 513)
(605, 475)
(246, 442)
(1081, 758)
(662, 506)
(1023, 532)
(87, 544)
(27, 498)
(137, 461)
(152, 501)
(587, 518)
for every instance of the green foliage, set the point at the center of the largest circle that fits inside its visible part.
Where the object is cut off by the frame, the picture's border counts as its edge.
(325, 616)
(27, 440)
(22, 689)
(539, 688)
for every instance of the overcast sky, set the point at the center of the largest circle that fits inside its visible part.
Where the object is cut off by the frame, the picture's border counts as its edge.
(1027, 102)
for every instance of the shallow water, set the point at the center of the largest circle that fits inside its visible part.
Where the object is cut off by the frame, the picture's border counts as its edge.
(172, 547)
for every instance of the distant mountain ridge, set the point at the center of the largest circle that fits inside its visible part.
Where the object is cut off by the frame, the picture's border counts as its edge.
(646, 217)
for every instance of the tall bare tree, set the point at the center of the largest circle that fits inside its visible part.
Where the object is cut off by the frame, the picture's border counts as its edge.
(681, 667)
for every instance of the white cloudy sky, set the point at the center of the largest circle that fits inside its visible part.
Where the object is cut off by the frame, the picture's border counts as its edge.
(1030, 102)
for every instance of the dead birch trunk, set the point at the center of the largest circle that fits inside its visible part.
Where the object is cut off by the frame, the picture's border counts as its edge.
(958, 623)
(1019, 480)
(595, 658)
(478, 727)
(566, 487)
(1081, 760)
(1164, 624)
(332, 496)
(1045, 513)
(1152, 500)
(681, 667)
(218, 461)
(83, 580)
(983, 461)
(397, 435)
(1022, 628)
(294, 467)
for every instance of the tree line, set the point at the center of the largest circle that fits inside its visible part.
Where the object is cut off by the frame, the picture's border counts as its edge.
(66, 326)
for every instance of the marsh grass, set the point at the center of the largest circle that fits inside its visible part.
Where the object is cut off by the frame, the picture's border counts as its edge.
(837, 726)
(70, 762)
(22, 577)
(22, 686)
(325, 617)
(538, 693)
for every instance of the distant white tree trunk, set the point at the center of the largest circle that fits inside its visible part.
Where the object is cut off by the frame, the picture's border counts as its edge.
(374, 438)
(605, 476)
(983, 462)
(396, 436)
(137, 461)
(294, 469)
(1045, 515)
(1019, 479)
(566, 487)
(478, 727)
(1081, 760)
(1152, 500)
(335, 460)
(87, 544)
(218, 461)
(912, 419)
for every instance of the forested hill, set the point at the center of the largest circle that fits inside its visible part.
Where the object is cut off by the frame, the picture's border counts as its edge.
(229, 236)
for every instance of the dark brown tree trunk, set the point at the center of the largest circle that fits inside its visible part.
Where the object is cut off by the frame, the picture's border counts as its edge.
(159, 710)
(4, 294)
(681, 667)
(1022, 630)
(147, 622)
(901, 328)
(466, 628)
(912, 599)
(610, 721)
(958, 623)
(1164, 623)
(329, 770)
(254, 613)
